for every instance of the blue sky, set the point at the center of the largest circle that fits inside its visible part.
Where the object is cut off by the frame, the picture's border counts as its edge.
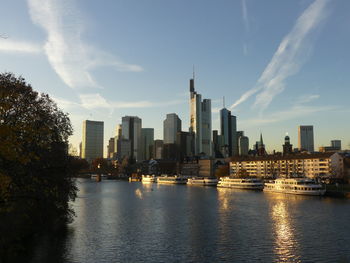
(279, 64)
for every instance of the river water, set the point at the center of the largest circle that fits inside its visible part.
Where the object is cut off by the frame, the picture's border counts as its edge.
(118, 221)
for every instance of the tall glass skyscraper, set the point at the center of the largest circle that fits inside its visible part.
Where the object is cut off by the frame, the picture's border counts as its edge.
(228, 125)
(306, 138)
(200, 122)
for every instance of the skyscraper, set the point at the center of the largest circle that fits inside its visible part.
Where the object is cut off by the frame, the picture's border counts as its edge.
(229, 131)
(92, 144)
(243, 145)
(171, 126)
(147, 143)
(200, 121)
(306, 138)
(131, 130)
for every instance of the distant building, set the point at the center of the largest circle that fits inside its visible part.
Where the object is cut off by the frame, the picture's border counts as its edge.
(309, 165)
(123, 149)
(110, 148)
(131, 130)
(200, 121)
(92, 143)
(171, 126)
(287, 147)
(80, 150)
(117, 136)
(147, 143)
(260, 147)
(336, 144)
(185, 145)
(158, 149)
(170, 151)
(306, 138)
(228, 125)
(243, 145)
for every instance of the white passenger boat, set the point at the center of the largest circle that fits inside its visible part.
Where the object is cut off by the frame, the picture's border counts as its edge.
(103, 176)
(297, 186)
(148, 178)
(206, 181)
(171, 180)
(241, 183)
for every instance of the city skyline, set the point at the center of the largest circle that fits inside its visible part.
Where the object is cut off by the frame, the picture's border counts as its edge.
(279, 65)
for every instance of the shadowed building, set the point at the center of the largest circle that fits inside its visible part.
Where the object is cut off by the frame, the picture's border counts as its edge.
(92, 143)
(131, 130)
(306, 138)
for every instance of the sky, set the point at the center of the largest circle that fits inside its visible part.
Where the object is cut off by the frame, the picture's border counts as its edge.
(279, 64)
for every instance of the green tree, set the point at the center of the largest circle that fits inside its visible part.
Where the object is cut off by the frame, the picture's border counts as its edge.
(35, 176)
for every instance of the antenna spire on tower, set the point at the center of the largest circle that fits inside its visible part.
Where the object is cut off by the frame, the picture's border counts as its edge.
(193, 72)
(223, 101)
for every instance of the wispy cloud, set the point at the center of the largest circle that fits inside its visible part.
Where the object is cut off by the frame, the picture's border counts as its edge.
(245, 15)
(288, 58)
(94, 101)
(70, 57)
(10, 45)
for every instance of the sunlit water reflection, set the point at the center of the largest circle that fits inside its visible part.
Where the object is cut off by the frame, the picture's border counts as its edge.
(135, 222)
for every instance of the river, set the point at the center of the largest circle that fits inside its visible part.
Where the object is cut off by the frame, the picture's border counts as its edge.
(118, 221)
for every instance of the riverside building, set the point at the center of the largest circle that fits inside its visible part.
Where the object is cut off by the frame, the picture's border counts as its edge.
(309, 165)
(92, 143)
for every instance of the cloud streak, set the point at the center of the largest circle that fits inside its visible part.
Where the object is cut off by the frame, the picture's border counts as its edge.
(9, 45)
(69, 56)
(288, 58)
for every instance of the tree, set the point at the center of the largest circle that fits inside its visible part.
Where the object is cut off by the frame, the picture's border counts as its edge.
(35, 176)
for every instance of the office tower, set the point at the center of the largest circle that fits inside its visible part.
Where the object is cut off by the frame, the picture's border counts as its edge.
(92, 144)
(80, 150)
(123, 149)
(131, 130)
(118, 136)
(287, 147)
(147, 143)
(110, 148)
(185, 145)
(336, 144)
(228, 125)
(243, 145)
(158, 149)
(306, 138)
(206, 127)
(200, 121)
(171, 126)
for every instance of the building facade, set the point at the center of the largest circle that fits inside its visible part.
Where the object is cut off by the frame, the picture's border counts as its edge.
(171, 126)
(309, 165)
(200, 122)
(131, 130)
(92, 143)
(306, 138)
(228, 129)
(147, 143)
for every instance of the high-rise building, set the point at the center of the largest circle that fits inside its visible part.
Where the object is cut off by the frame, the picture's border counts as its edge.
(118, 136)
(158, 149)
(110, 148)
(92, 144)
(171, 126)
(306, 138)
(228, 125)
(243, 145)
(131, 130)
(200, 121)
(147, 143)
(185, 145)
(336, 144)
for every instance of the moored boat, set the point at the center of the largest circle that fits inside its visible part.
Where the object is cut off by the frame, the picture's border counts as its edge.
(203, 181)
(171, 180)
(148, 178)
(241, 183)
(297, 186)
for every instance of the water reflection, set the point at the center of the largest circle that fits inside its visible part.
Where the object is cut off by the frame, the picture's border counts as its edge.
(286, 245)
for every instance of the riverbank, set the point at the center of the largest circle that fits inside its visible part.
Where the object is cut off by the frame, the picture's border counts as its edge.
(339, 191)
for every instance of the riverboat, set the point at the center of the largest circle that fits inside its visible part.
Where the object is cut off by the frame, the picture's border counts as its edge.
(171, 180)
(297, 186)
(241, 183)
(148, 179)
(203, 181)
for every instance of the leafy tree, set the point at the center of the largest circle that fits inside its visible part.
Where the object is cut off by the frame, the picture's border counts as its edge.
(35, 175)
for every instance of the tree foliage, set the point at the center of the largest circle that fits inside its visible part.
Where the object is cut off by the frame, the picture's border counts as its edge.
(35, 175)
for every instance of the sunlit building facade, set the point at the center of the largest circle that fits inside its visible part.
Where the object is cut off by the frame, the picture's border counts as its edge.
(92, 143)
